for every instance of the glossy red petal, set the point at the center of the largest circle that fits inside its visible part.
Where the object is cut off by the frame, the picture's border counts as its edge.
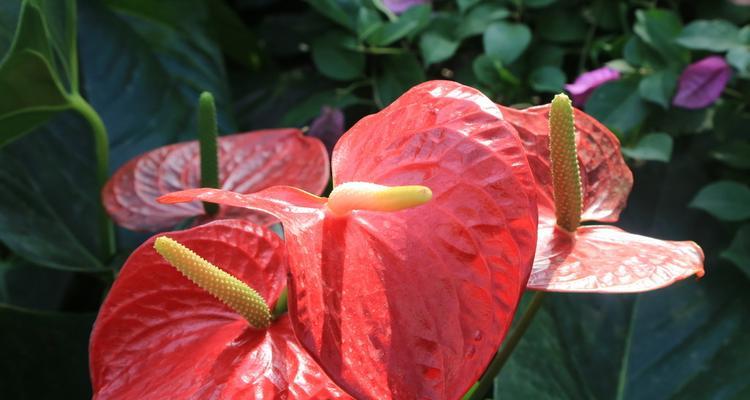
(412, 304)
(606, 259)
(249, 162)
(159, 336)
(606, 179)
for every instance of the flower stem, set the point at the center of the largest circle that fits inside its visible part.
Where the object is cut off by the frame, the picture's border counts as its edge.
(208, 136)
(101, 150)
(480, 388)
(281, 306)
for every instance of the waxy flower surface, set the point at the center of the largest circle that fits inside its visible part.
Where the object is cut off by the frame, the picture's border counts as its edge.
(159, 336)
(414, 303)
(248, 162)
(594, 258)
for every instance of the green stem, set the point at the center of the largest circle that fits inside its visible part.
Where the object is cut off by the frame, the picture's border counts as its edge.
(208, 136)
(480, 388)
(281, 304)
(101, 150)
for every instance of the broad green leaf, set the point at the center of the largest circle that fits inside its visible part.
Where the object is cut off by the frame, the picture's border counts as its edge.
(725, 200)
(408, 23)
(659, 29)
(398, 74)
(537, 3)
(659, 87)
(464, 5)
(9, 12)
(334, 57)
(547, 54)
(44, 354)
(651, 147)
(25, 285)
(688, 341)
(739, 250)
(435, 47)
(39, 72)
(618, 105)
(638, 54)
(506, 41)
(487, 70)
(547, 79)
(163, 60)
(236, 40)
(712, 35)
(736, 154)
(479, 18)
(32, 229)
(368, 22)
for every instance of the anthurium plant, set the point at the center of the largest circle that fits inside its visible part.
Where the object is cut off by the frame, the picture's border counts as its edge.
(183, 216)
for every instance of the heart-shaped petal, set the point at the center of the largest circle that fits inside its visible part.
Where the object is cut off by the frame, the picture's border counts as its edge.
(412, 304)
(606, 259)
(160, 336)
(605, 178)
(248, 162)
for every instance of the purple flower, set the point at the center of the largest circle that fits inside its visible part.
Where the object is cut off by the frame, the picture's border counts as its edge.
(702, 82)
(399, 6)
(328, 126)
(581, 89)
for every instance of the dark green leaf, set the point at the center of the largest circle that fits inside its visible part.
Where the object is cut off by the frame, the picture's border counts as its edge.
(562, 27)
(44, 354)
(659, 29)
(725, 200)
(546, 54)
(712, 35)
(32, 229)
(739, 250)
(547, 79)
(735, 154)
(638, 54)
(332, 10)
(464, 5)
(684, 342)
(659, 87)
(397, 75)
(334, 57)
(487, 70)
(368, 22)
(618, 105)
(235, 38)
(25, 285)
(506, 41)
(435, 47)
(479, 18)
(651, 147)
(537, 3)
(39, 72)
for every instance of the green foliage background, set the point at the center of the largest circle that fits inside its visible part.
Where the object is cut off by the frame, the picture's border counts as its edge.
(139, 65)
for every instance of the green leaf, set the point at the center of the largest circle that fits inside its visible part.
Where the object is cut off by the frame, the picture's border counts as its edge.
(506, 41)
(712, 35)
(479, 18)
(408, 23)
(618, 105)
(739, 250)
(24, 285)
(725, 200)
(547, 79)
(739, 58)
(164, 58)
(562, 26)
(659, 29)
(487, 70)
(736, 154)
(44, 354)
(39, 72)
(435, 47)
(688, 342)
(398, 74)
(637, 53)
(334, 57)
(464, 5)
(651, 147)
(31, 228)
(368, 22)
(537, 3)
(332, 10)
(659, 87)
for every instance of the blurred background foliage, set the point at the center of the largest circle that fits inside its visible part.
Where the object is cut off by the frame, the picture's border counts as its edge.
(140, 64)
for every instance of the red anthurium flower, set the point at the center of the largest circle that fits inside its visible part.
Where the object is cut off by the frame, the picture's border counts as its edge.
(409, 304)
(594, 258)
(159, 336)
(248, 162)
